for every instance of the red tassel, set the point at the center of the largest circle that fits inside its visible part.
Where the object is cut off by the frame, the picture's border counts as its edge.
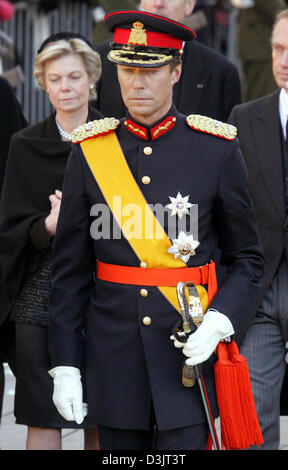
(231, 416)
(254, 435)
(239, 423)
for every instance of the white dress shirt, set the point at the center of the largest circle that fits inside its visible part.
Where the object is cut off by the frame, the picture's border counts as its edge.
(283, 109)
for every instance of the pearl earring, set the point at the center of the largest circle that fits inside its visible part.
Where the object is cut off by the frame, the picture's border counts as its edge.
(91, 86)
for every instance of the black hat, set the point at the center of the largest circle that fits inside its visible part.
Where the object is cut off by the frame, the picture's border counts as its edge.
(62, 35)
(143, 39)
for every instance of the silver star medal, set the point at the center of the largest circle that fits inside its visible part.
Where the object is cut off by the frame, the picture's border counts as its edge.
(183, 247)
(179, 205)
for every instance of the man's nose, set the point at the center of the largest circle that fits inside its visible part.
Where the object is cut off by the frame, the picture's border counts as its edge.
(138, 81)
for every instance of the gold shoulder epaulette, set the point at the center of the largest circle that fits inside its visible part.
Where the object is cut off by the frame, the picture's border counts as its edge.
(211, 126)
(94, 129)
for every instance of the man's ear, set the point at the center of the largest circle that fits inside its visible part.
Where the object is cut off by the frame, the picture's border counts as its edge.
(176, 74)
(189, 7)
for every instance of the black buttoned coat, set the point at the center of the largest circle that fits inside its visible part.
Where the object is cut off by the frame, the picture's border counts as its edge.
(131, 366)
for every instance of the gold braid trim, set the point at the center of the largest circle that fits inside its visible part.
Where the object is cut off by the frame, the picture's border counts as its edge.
(93, 129)
(211, 126)
(154, 57)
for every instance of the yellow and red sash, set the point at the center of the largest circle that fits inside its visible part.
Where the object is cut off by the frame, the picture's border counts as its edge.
(111, 171)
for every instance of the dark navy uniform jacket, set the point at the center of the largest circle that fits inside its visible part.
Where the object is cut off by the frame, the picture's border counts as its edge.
(132, 368)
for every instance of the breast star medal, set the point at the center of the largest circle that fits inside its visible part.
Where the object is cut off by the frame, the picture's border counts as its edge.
(183, 247)
(179, 205)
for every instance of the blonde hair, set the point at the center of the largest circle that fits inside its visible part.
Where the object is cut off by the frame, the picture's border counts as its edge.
(62, 47)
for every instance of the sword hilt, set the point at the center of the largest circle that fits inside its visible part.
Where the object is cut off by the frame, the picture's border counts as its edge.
(189, 375)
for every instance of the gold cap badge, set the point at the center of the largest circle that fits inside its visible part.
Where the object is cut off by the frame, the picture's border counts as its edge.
(138, 34)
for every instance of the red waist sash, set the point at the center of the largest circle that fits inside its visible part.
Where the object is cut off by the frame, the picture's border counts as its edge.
(138, 276)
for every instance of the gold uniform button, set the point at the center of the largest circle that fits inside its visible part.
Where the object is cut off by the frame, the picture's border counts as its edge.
(147, 321)
(147, 150)
(146, 180)
(143, 292)
(143, 265)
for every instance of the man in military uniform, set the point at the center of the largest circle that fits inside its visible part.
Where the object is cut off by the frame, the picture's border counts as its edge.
(120, 287)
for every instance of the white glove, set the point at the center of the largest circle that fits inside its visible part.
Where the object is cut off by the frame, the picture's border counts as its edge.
(68, 393)
(201, 344)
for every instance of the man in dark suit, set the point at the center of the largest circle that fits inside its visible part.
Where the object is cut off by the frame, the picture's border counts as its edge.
(262, 130)
(209, 83)
(133, 370)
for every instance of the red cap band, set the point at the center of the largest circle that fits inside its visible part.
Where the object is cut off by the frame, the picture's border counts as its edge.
(121, 36)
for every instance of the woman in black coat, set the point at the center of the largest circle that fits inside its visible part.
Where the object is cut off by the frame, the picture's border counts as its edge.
(68, 68)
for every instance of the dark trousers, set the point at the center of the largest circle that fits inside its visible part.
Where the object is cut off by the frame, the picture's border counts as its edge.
(188, 438)
(264, 349)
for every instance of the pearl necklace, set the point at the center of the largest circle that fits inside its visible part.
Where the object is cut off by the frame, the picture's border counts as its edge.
(65, 135)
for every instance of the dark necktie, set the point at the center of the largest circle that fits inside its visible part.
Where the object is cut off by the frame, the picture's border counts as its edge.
(287, 134)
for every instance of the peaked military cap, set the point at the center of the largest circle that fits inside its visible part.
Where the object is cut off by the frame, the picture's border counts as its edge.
(143, 39)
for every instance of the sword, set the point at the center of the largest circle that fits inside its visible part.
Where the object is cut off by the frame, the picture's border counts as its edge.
(192, 314)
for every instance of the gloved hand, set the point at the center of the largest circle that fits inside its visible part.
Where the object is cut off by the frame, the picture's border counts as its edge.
(201, 344)
(68, 393)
